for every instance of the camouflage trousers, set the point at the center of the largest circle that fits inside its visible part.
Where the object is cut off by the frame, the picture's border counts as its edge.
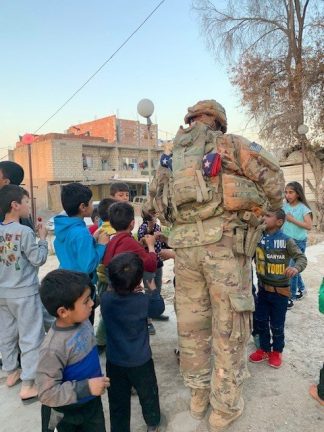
(213, 303)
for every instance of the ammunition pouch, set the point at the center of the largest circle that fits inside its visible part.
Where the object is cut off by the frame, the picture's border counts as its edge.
(190, 186)
(248, 235)
(240, 193)
(239, 240)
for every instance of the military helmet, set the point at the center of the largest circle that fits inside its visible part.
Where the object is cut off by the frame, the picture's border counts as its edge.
(209, 107)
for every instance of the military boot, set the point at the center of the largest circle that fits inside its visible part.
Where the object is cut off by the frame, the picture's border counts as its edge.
(218, 421)
(199, 403)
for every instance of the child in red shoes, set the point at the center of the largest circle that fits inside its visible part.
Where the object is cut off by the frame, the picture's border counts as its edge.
(273, 254)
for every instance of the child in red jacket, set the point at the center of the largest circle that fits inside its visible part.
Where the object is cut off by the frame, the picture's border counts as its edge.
(122, 219)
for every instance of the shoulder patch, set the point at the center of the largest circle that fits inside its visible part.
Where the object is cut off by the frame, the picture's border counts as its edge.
(255, 147)
(166, 161)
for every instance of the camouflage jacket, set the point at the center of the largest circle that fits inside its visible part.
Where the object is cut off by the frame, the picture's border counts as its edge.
(200, 205)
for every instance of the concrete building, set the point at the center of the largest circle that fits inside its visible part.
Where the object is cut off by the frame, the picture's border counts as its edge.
(62, 158)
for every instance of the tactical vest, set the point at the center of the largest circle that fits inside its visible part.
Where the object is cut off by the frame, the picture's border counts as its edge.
(196, 205)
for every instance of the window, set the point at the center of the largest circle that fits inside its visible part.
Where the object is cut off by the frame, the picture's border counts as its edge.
(87, 162)
(104, 165)
(129, 164)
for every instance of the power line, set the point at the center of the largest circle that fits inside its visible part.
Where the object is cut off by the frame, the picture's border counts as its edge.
(102, 66)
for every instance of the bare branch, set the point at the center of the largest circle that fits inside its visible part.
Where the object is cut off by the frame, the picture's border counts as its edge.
(277, 47)
(310, 185)
(305, 9)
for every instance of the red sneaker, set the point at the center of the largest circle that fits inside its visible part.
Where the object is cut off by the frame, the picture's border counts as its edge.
(259, 356)
(275, 359)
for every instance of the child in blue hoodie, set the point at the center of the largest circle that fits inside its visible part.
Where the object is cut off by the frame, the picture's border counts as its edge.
(75, 247)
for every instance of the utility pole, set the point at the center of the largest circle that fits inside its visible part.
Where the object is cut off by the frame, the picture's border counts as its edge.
(145, 108)
(28, 140)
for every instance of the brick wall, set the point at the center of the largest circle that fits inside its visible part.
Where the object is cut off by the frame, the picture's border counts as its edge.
(104, 127)
(119, 131)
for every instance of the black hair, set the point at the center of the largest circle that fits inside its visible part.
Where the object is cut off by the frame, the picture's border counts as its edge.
(279, 213)
(125, 272)
(73, 195)
(12, 171)
(62, 288)
(94, 214)
(298, 188)
(118, 187)
(10, 193)
(120, 215)
(103, 208)
(147, 216)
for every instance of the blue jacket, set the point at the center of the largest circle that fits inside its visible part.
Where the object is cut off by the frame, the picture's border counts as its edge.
(75, 247)
(125, 319)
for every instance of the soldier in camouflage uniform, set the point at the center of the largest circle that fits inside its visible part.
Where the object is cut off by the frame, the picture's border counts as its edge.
(214, 195)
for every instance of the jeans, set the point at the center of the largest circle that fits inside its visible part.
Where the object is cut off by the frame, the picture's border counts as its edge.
(157, 276)
(143, 379)
(270, 313)
(297, 283)
(255, 297)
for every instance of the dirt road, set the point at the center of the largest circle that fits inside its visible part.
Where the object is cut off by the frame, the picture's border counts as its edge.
(275, 400)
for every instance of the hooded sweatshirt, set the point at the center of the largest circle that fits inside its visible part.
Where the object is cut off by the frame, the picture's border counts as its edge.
(124, 242)
(75, 247)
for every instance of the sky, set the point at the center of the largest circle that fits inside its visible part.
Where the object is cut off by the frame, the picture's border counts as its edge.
(50, 48)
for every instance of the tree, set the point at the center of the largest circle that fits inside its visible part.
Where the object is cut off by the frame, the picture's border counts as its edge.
(276, 52)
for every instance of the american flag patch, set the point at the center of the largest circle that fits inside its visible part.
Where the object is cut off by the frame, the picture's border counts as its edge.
(255, 147)
(166, 161)
(211, 164)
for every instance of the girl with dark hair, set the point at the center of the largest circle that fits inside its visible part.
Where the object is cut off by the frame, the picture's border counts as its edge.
(298, 222)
